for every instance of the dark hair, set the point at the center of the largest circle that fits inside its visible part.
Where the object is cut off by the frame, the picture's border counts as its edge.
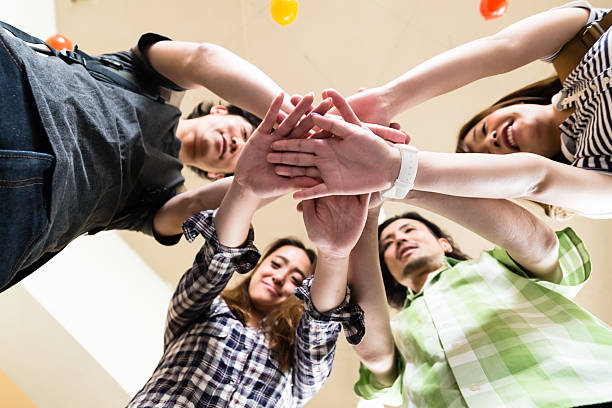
(279, 325)
(539, 93)
(396, 293)
(203, 109)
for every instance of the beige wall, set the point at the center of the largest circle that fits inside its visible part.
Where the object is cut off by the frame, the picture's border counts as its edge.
(333, 43)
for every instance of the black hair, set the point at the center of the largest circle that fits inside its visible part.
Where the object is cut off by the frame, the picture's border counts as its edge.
(203, 109)
(396, 293)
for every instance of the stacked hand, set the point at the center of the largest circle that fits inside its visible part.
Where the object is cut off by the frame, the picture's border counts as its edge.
(252, 171)
(353, 161)
(334, 223)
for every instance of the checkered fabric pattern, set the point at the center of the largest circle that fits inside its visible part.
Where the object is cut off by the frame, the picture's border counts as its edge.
(212, 360)
(483, 334)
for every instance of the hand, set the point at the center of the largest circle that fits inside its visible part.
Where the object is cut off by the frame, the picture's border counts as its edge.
(252, 171)
(391, 133)
(355, 161)
(369, 105)
(334, 223)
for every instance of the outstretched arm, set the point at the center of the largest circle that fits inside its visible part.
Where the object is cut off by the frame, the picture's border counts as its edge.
(377, 350)
(527, 40)
(196, 65)
(355, 161)
(333, 225)
(170, 217)
(528, 240)
(254, 178)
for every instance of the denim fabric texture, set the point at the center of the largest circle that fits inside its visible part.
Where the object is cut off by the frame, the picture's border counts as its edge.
(26, 166)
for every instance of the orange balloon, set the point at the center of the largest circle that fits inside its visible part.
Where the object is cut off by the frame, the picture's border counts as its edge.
(491, 9)
(59, 42)
(283, 11)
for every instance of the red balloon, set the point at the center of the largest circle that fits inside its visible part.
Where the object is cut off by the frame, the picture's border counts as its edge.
(59, 42)
(491, 9)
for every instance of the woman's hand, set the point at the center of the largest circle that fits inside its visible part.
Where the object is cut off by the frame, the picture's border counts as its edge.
(334, 223)
(253, 172)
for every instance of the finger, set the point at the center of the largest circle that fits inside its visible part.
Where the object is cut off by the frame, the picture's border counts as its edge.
(289, 122)
(268, 121)
(337, 127)
(300, 207)
(293, 171)
(296, 145)
(343, 107)
(321, 134)
(387, 133)
(280, 117)
(320, 190)
(303, 128)
(395, 125)
(304, 182)
(291, 159)
(295, 99)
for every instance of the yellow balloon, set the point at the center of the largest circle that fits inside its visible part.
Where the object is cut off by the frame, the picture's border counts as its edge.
(283, 11)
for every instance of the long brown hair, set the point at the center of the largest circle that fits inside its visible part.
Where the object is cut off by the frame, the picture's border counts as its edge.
(539, 93)
(279, 325)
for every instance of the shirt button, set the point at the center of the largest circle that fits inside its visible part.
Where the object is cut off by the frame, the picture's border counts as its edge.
(474, 387)
(565, 101)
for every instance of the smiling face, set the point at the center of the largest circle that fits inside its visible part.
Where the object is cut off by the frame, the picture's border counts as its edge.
(276, 277)
(214, 142)
(410, 250)
(516, 128)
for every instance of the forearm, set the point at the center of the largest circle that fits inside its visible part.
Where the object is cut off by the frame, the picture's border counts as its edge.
(525, 41)
(376, 350)
(528, 240)
(193, 65)
(233, 219)
(518, 175)
(208, 276)
(329, 283)
(170, 217)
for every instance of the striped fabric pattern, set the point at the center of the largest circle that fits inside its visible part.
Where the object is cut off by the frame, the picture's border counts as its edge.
(212, 360)
(587, 133)
(483, 334)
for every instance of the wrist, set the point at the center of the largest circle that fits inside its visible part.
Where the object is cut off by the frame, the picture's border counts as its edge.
(333, 256)
(407, 173)
(243, 193)
(393, 169)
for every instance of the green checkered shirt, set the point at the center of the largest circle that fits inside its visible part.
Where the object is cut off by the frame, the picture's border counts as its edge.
(483, 334)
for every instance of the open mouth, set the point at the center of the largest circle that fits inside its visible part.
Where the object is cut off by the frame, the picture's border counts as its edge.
(508, 136)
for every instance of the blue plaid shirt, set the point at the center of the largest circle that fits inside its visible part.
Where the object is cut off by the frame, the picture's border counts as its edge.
(211, 359)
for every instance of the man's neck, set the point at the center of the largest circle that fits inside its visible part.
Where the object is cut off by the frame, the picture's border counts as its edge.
(184, 133)
(416, 282)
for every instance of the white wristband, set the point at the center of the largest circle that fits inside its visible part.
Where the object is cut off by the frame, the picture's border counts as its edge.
(407, 173)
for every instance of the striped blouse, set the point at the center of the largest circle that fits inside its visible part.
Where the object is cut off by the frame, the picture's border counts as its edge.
(587, 134)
